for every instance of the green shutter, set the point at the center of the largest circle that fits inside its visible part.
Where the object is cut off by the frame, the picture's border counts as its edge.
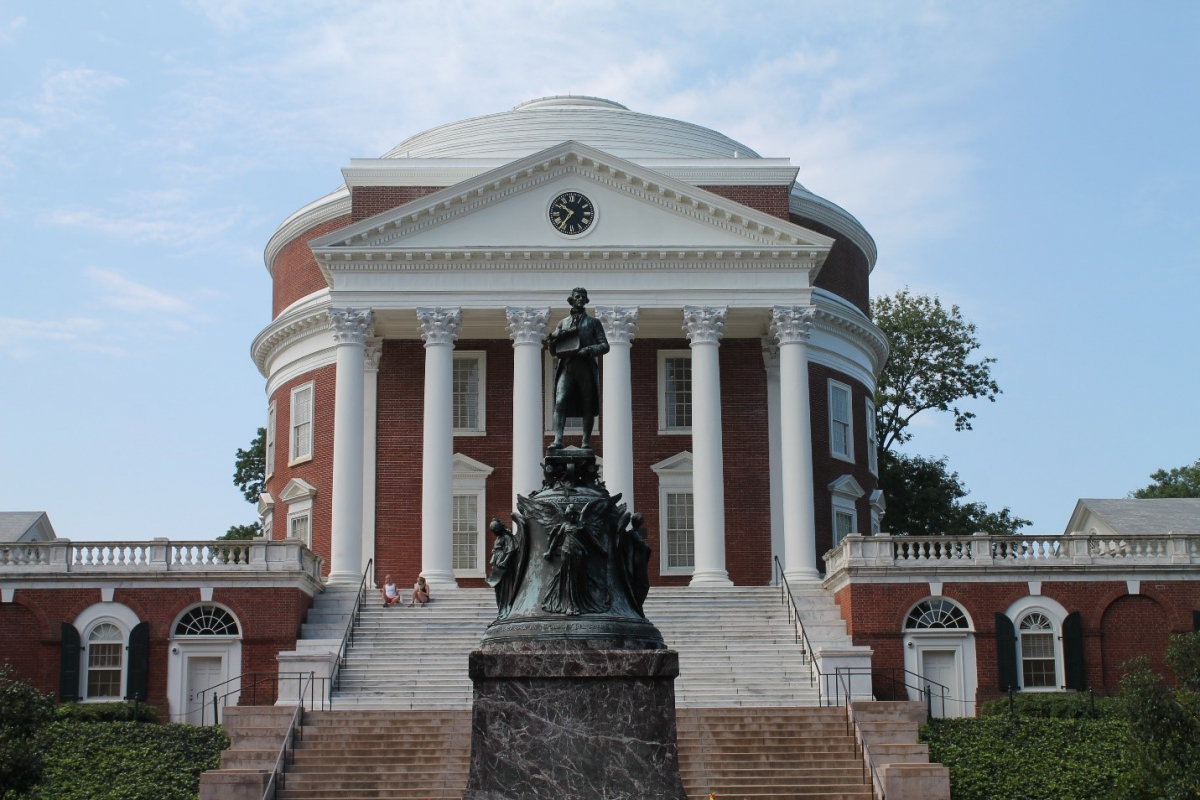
(1072, 633)
(138, 677)
(69, 660)
(1006, 653)
(1196, 621)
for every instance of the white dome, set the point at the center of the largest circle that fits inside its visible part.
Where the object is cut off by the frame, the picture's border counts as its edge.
(542, 123)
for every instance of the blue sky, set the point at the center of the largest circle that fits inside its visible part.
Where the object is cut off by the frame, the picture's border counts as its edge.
(1035, 163)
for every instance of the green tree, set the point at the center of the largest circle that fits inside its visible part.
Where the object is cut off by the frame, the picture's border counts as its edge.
(930, 365)
(1178, 482)
(24, 711)
(250, 476)
(924, 498)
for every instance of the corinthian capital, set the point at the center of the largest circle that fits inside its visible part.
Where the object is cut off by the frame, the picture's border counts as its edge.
(439, 325)
(704, 324)
(792, 324)
(770, 354)
(620, 323)
(372, 354)
(527, 325)
(352, 325)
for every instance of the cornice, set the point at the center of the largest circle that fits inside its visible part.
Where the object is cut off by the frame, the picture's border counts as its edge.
(837, 317)
(289, 328)
(388, 229)
(331, 206)
(555, 259)
(804, 203)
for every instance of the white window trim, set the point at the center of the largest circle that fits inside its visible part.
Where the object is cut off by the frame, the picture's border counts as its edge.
(299, 494)
(293, 459)
(126, 620)
(269, 455)
(674, 477)
(1053, 611)
(470, 478)
(663, 428)
(878, 507)
(548, 399)
(872, 438)
(849, 455)
(845, 493)
(847, 506)
(266, 514)
(479, 356)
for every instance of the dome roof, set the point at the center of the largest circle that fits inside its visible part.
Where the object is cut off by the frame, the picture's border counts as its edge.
(542, 123)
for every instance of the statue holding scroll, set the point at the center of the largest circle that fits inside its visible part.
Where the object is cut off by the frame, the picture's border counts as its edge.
(577, 343)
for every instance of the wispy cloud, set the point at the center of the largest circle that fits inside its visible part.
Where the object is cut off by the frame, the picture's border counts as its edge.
(120, 292)
(168, 226)
(24, 338)
(8, 30)
(69, 94)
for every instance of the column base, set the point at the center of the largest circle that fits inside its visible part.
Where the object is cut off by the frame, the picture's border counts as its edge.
(440, 581)
(710, 577)
(343, 578)
(802, 576)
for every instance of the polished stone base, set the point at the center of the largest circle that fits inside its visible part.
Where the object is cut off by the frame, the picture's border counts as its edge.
(595, 724)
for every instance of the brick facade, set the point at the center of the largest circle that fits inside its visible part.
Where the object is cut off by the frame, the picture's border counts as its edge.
(295, 273)
(367, 201)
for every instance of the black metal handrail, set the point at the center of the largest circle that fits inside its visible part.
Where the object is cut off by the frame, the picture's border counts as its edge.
(844, 680)
(922, 685)
(348, 636)
(814, 671)
(251, 681)
(289, 742)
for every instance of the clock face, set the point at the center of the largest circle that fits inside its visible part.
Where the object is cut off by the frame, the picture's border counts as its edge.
(572, 213)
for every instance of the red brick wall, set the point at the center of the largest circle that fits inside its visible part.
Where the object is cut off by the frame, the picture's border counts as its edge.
(296, 273)
(367, 201)
(1133, 626)
(771, 200)
(845, 271)
(319, 470)
(31, 627)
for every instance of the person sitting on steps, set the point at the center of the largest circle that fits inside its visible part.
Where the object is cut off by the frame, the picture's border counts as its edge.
(420, 593)
(390, 592)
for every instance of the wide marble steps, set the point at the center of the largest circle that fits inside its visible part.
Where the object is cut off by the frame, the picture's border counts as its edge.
(770, 754)
(736, 647)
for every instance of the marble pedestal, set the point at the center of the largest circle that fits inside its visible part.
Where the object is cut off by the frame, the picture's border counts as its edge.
(585, 723)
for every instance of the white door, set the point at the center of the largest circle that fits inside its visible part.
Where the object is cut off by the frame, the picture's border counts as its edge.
(203, 672)
(941, 666)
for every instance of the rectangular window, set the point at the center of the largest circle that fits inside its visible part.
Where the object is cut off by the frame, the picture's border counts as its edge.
(876, 525)
(841, 430)
(1037, 660)
(872, 441)
(465, 543)
(674, 391)
(469, 392)
(270, 449)
(302, 424)
(104, 669)
(298, 528)
(681, 533)
(845, 519)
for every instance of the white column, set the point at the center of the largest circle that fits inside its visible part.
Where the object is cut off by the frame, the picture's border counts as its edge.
(439, 328)
(620, 326)
(527, 328)
(770, 353)
(792, 326)
(703, 326)
(351, 327)
(372, 353)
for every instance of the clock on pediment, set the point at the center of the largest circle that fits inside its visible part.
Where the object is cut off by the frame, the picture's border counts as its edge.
(571, 213)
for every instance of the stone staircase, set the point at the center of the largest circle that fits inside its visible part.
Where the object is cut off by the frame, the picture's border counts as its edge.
(736, 648)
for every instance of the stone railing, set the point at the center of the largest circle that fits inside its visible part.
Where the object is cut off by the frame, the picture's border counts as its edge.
(985, 551)
(157, 556)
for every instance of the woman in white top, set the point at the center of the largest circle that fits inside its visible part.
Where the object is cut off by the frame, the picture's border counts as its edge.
(390, 593)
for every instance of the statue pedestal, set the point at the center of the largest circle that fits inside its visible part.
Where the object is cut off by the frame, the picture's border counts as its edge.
(566, 724)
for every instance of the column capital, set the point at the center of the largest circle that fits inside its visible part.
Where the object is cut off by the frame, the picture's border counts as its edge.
(704, 324)
(770, 354)
(792, 324)
(527, 325)
(372, 353)
(620, 323)
(352, 325)
(439, 325)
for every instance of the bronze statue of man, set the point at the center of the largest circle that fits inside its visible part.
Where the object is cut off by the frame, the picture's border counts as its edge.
(577, 344)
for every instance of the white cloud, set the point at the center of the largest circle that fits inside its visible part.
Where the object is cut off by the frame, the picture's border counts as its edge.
(128, 295)
(24, 338)
(174, 227)
(68, 94)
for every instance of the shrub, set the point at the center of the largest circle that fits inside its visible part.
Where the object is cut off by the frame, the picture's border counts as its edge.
(107, 712)
(1024, 758)
(127, 760)
(24, 711)
(1055, 705)
(1164, 726)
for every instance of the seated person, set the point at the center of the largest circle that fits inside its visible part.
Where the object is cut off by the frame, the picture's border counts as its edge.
(390, 592)
(420, 592)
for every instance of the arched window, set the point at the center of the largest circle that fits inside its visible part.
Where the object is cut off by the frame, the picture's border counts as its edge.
(1037, 645)
(105, 660)
(936, 614)
(207, 621)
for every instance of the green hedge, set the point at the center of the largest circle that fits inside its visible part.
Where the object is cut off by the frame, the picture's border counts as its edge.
(1055, 705)
(126, 760)
(107, 712)
(1023, 758)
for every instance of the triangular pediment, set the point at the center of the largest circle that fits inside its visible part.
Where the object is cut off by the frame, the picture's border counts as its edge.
(297, 489)
(678, 463)
(506, 211)
(847, 487)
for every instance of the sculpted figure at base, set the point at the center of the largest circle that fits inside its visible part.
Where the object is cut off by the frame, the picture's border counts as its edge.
(577, 343)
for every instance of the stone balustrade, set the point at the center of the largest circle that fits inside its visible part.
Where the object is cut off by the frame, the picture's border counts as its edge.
(157, 556)
(1076, 551)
